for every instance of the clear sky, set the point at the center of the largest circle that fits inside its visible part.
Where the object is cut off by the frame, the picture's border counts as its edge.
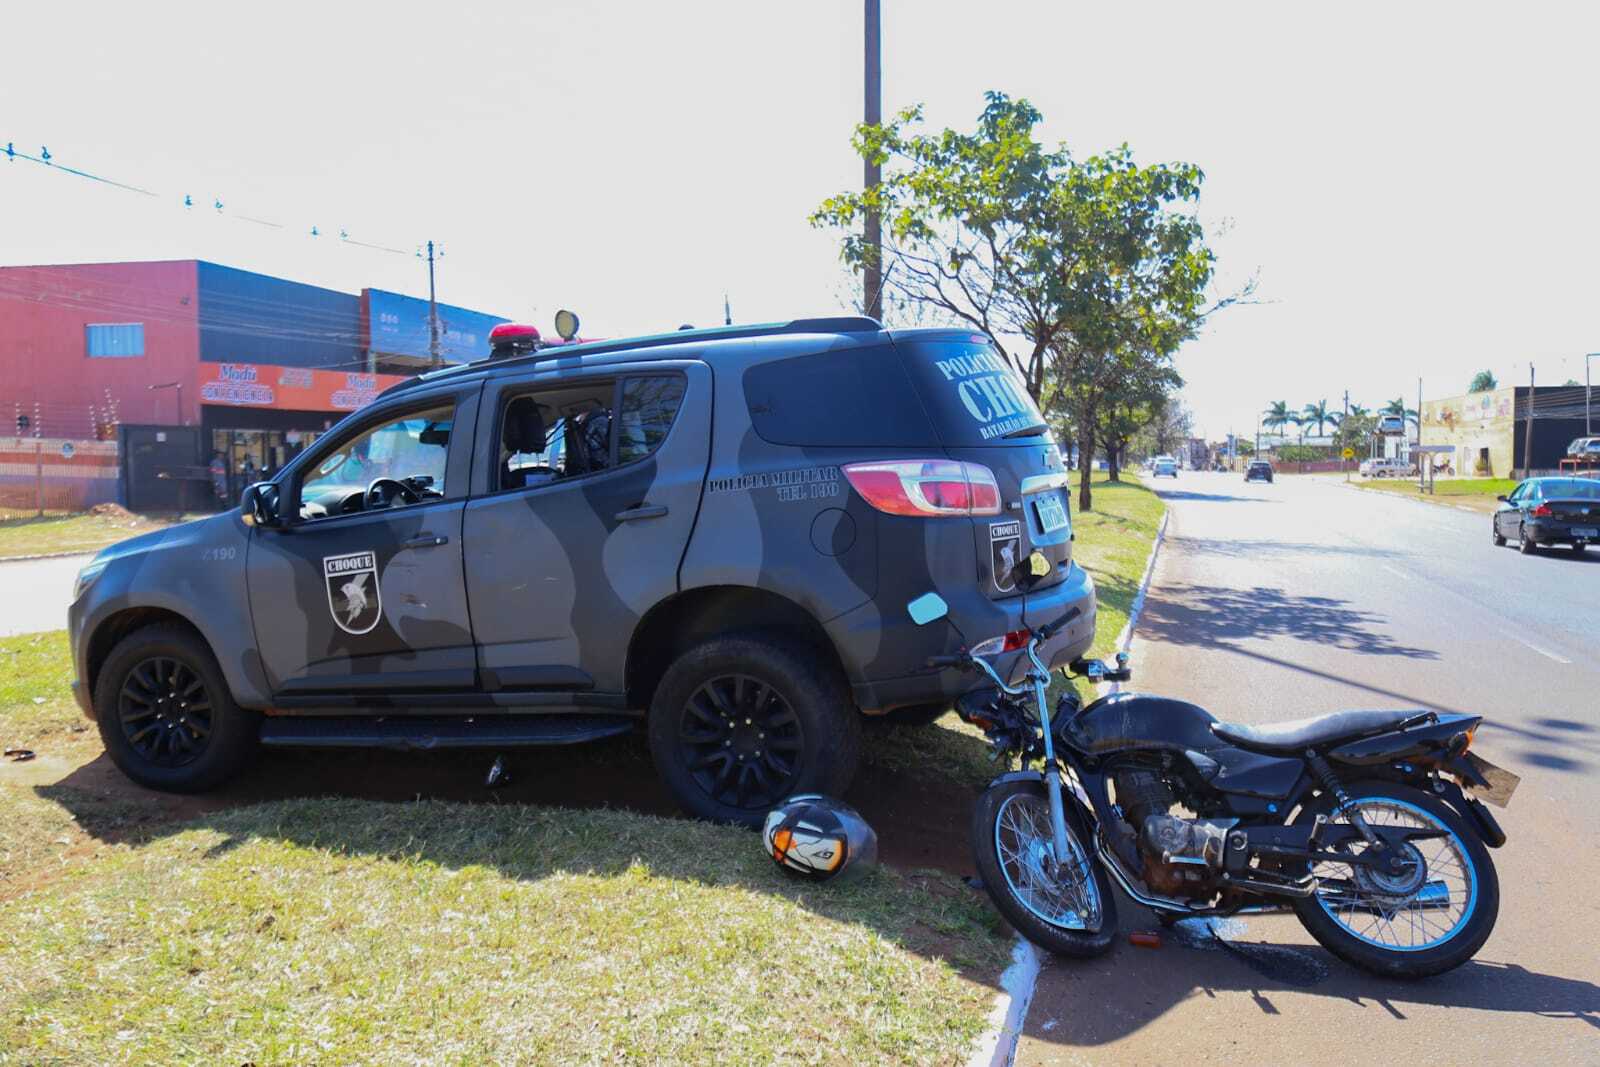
(1413, 183)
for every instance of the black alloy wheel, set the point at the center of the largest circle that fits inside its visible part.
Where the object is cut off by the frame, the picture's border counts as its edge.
(1494, 532)
(743, 741)
(1525, 544)
(165, 712)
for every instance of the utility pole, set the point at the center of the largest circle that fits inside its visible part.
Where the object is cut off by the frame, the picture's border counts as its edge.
(872, 273)
(1420, 457)
(1588, 427)
(1343, 463)
(1527, 437)
(433, 316)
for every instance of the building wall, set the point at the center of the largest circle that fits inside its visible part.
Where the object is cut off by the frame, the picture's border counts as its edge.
(44, 361)
(255, 318)
(1474, 422)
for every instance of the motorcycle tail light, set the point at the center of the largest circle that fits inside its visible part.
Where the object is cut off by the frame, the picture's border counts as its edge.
(926, 487)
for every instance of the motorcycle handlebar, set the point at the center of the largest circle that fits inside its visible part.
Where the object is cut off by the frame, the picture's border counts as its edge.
(1049, 629)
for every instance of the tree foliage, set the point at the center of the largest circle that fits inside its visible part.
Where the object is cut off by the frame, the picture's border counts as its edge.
(1483, 382)
(1098, 264)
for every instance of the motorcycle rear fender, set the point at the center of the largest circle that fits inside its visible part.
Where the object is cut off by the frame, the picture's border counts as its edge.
(1427, 743)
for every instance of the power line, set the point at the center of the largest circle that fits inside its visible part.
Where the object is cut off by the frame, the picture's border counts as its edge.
(218, 205)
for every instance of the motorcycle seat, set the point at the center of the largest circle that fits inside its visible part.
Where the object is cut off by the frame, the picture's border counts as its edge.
(1297, 735)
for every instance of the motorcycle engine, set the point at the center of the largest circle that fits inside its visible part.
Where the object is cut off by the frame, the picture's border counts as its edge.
(1182, 857)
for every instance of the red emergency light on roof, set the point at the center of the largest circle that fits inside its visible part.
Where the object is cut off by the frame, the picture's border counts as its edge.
(514, 333)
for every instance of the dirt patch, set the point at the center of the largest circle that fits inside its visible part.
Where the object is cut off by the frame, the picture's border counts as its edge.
(921, 821)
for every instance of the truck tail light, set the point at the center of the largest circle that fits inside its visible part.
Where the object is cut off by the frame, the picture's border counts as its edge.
(926, 487)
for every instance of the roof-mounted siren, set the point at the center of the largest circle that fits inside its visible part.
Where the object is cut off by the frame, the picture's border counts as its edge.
(513, 339)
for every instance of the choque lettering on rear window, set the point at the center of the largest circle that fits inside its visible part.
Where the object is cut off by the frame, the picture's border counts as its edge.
(975, 394)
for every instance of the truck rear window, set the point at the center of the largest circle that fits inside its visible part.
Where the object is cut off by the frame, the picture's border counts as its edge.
(975, 395)
(853, 397)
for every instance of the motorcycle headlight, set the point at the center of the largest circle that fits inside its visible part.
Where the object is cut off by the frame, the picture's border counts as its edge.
(86, 577)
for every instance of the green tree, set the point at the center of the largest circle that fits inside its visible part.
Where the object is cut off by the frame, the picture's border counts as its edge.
(969, 225)
(1277, 415)
(1319, 416)
(1145, 397)
(1483, 382)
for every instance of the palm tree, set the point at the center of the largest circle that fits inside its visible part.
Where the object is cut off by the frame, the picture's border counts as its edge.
(1359, 412)
(1319, 416)
(1277, 416)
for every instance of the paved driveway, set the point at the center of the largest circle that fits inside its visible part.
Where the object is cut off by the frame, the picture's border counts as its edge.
(1278, 601)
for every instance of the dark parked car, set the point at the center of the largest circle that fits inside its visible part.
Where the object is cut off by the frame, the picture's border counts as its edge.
(710, 535)
(1259, 470)
(1550, 511)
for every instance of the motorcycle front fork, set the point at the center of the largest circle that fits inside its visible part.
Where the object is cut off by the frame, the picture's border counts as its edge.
(1052, 775)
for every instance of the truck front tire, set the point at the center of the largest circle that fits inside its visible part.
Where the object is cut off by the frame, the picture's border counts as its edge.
(165, 713)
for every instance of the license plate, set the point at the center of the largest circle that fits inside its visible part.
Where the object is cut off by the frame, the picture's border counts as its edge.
(1052, 512)
(1502, 783)
(1585, 531)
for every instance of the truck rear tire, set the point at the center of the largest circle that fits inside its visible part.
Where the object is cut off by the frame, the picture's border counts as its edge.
(740, 723)
(166, 715)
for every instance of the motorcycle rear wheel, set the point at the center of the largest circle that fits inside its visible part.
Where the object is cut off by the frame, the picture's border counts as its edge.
(1067, 909)
(1388, 929)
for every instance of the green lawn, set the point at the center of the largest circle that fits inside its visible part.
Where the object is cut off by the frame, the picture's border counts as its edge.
(1476, 493)
(336, 930)
(72, 533)
(342, 931)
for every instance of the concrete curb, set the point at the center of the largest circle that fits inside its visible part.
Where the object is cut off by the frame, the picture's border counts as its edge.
(998, 1046)
(1124, 642)
(46, 555)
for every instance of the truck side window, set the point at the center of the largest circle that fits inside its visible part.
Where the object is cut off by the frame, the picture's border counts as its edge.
(410, 449)
(648, 408)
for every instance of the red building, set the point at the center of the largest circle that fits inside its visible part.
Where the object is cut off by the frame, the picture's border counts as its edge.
(191, 364)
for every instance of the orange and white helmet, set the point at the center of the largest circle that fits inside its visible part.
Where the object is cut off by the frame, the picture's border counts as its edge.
(819, 838)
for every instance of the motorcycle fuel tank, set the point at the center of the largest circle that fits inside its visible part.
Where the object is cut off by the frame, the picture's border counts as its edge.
(1133, 720)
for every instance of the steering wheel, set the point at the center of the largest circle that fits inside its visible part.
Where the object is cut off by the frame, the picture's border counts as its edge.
(374, 498)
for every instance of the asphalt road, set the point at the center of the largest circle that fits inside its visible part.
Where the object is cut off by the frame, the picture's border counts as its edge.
(1273, 602)
(34, 593)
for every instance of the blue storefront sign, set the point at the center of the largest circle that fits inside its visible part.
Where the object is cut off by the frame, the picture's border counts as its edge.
(398, 326)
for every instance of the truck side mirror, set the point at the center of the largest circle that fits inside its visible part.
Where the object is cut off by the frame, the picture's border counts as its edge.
(258, 505)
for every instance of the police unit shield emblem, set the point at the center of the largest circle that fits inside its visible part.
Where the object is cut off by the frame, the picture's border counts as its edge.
(353, 597)
(1005, 549)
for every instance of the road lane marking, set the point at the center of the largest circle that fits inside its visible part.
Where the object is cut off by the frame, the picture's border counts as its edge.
(1542, 652)
(1395, 571)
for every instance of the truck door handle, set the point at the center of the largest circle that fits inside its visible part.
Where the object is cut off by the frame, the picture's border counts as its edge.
(643, 511)
(426, 541)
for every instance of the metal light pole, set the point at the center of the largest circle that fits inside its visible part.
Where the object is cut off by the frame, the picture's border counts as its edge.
(1527, 437)
(1588, 427)
(872, 274)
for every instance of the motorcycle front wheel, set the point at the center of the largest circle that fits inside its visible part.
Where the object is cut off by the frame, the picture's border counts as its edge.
(1429, 916)
(1063, 904)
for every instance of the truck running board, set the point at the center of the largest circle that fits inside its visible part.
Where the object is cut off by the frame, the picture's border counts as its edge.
(429, 732)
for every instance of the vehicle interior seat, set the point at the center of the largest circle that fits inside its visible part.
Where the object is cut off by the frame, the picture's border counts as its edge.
(1297, 735)
(588, 442)
(522, 432)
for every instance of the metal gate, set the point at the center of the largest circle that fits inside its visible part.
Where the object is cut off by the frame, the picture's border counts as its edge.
(162, 468)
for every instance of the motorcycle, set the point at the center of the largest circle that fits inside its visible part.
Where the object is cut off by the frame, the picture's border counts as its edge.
(1369, 825)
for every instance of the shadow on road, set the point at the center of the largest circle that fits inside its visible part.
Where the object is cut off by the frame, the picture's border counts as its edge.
(1189, 494)
(1220, 615)
(1145, 985)
(1245, 548)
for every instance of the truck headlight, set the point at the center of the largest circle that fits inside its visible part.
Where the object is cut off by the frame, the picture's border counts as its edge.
(86, 577)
